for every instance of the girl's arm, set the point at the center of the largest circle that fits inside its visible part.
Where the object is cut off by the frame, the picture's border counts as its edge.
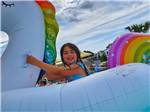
(49, 69)
(54, 72)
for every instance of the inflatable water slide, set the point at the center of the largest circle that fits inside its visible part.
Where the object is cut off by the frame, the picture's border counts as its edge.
(32, 29)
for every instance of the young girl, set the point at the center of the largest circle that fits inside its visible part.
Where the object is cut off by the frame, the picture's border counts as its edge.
(70, 56)
(73, 66)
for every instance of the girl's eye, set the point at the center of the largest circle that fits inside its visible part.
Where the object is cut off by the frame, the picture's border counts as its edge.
(65, 53)
(72, 52)
(7, 4)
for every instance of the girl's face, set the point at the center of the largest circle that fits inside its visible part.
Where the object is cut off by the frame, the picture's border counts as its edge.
(69, 55)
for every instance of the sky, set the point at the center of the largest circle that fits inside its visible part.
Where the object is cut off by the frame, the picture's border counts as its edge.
(93, 24)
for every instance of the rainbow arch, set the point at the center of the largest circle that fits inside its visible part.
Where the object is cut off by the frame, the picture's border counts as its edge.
(129, 48)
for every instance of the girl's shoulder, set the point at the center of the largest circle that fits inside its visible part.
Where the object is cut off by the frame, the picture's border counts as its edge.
(80, 64)
(66, 67)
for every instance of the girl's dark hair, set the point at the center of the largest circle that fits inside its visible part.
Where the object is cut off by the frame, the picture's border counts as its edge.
(77, 51)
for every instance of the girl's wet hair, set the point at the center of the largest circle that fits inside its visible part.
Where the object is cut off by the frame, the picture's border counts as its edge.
(77, 51)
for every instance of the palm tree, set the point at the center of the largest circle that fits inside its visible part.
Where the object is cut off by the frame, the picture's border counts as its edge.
(146, 27)
(139, 27)
(128, 28)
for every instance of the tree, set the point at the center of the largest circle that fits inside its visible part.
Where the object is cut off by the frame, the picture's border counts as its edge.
(103, 56)
(146, 26)
(139, 27)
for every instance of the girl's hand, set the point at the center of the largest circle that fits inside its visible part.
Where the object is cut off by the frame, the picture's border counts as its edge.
(30, 59)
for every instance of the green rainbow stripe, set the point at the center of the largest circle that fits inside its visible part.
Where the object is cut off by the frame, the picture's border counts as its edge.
(144, 48)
